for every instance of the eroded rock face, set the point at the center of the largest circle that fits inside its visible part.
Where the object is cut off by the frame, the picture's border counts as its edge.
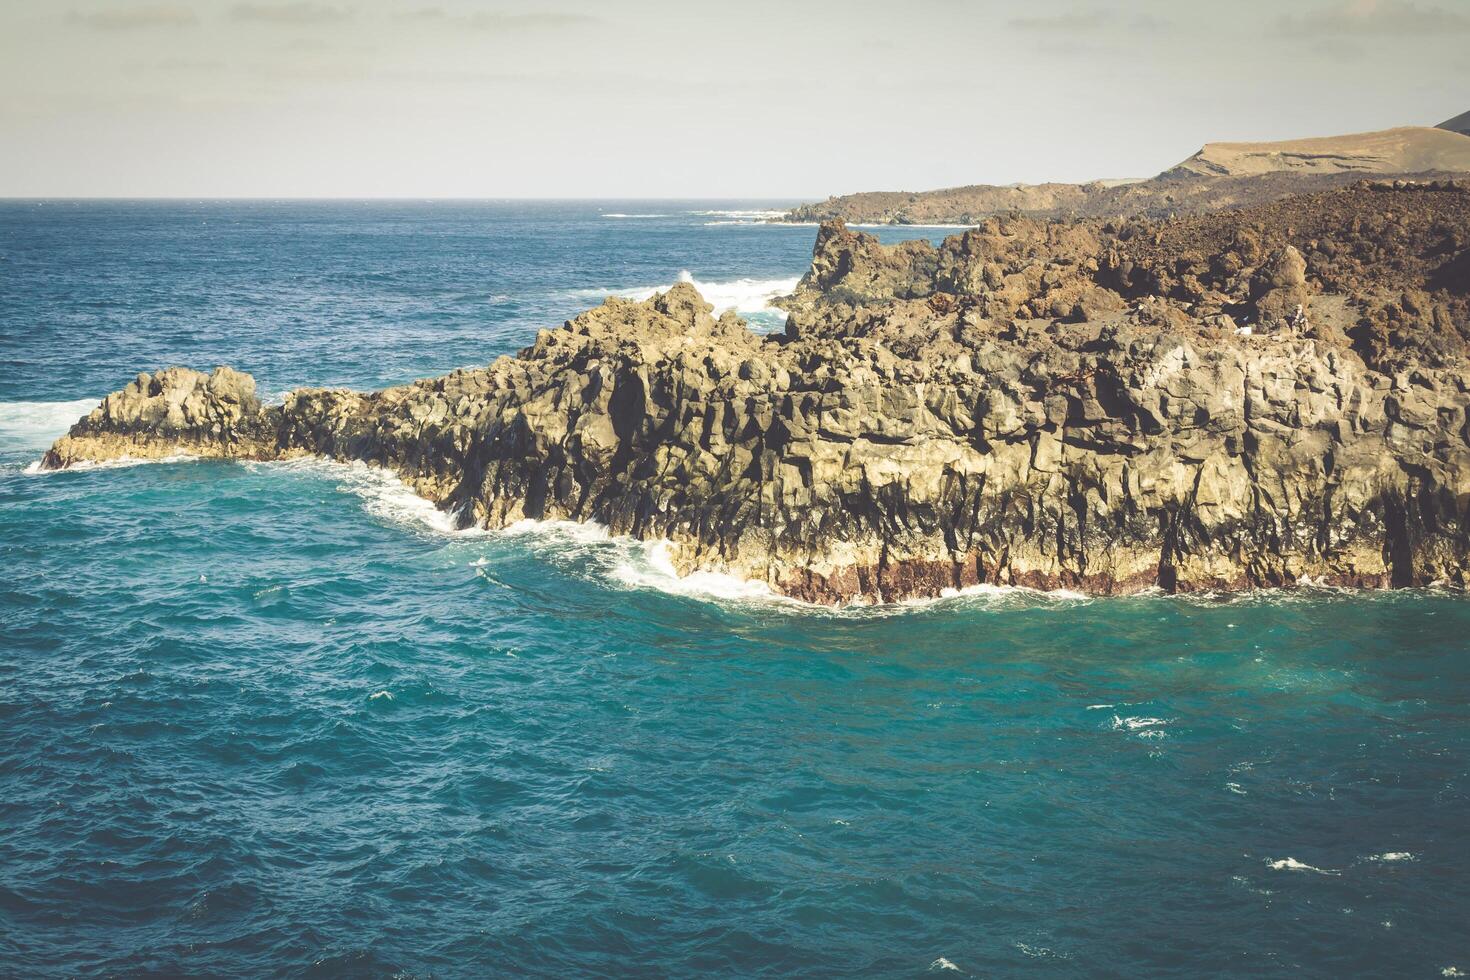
(176, 411)
(1047, 405)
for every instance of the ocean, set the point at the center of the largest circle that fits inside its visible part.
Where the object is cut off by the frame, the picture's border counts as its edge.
(280, 720)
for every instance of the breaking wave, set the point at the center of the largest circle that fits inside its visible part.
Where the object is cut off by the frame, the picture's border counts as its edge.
(121, 463)
(1292, 864)
(383, 494)
(753, 298)
(737, 216)
(745, 296)
(27, 426)
(617, 560)
(648, 565)
(621, 562)
(740, 213)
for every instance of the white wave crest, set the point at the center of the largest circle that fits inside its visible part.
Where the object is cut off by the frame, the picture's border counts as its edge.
(739, 216)
(121, 463)
(383, 493)
(1040, 952)
(389, 499)
(615, 214)
(650, 565)
(1292, 864)
(624, 561)
(595, 553)
(564, 532)
(1134, 724)
(1140, 727)
(741, 295)
(739, 213)
(1388, 856)
(28, 426)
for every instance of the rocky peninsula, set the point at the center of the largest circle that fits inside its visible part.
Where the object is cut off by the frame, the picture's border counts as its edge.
(1255, 397)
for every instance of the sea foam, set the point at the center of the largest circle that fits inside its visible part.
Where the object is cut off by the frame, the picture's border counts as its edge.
(121, 463)
(383, 494)
(739, 213)
(650, 565)
(741, 295)
(738, 216)
(26, 426)
(1292, 864)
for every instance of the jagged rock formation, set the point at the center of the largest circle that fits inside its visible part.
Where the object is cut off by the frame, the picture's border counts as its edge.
(1219, 176)
(1047, 404)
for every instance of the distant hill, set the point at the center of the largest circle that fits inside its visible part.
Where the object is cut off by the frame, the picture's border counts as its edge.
(1219, 176)
(1406, 150)
(1459, 124)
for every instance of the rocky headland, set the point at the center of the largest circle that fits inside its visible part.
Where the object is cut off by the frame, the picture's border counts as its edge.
(1218, 176)
(1255, 397)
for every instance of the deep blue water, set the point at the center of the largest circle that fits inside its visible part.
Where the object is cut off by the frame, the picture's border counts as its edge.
(262, 720)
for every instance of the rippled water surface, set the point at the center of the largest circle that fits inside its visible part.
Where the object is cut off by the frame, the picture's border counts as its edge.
(273, 720)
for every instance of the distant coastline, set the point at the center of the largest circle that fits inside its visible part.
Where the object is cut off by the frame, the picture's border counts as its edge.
(1219, 176)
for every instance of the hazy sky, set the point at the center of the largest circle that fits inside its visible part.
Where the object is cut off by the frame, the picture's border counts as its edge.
(778, 98)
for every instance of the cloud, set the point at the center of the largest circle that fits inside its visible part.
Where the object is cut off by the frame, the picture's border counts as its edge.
(423, 13)
(498, 21)
(289, 13)
(516, 22)
(1088, 21)
(1077, 20)
(135, 18)
(1375, 18)
(185, 65)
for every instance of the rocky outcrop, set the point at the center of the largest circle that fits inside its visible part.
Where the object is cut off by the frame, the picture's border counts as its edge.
(176, 411)
(1032, 403)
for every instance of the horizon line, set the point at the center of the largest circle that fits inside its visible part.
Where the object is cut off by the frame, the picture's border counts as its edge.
(407, 197)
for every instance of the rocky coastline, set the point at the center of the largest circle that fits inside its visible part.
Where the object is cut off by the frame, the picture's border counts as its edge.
(1256, 397)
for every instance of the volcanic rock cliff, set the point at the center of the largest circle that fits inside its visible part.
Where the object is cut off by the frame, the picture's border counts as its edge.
(1262, 397)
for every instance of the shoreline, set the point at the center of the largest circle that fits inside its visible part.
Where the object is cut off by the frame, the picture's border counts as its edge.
(714, 585)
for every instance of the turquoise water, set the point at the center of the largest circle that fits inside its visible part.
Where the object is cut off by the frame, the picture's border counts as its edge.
(274, 720)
